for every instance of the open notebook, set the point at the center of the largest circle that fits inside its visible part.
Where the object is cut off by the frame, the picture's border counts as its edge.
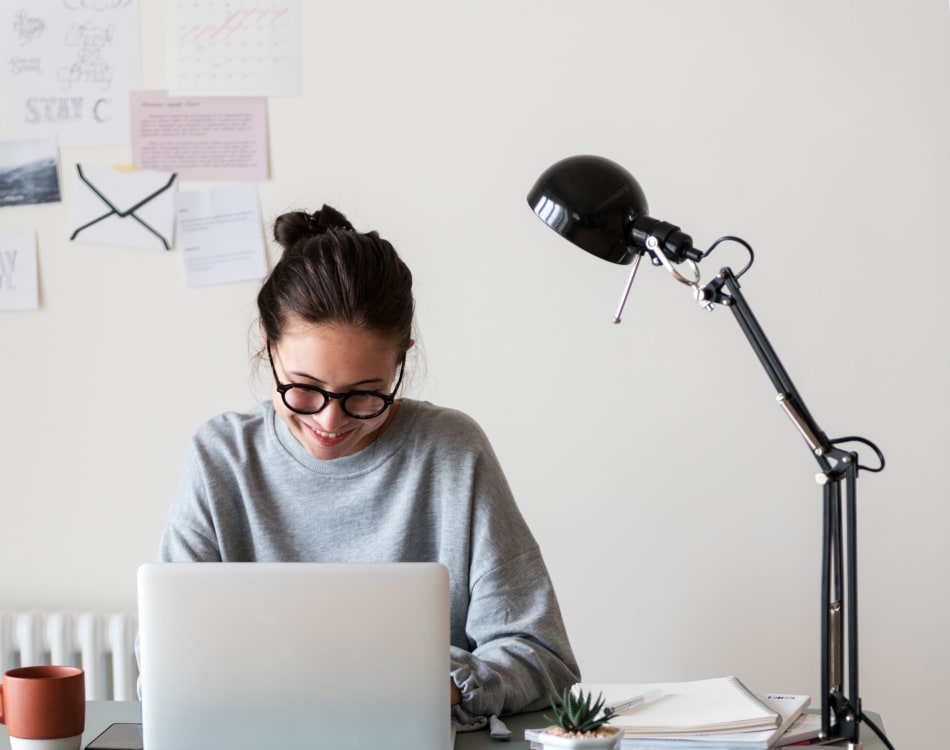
(720, 704)
(713, 714)
(244, 656)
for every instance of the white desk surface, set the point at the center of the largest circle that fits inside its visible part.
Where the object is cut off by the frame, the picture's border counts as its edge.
(100, 714)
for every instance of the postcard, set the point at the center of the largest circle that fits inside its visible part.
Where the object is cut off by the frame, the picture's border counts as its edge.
(210, 138)
(68, 68)
(221, 235)
(130, 209)
(19, 280)
(29, 172)
(228, 47)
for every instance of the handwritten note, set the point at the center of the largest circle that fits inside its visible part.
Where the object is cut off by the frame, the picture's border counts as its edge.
(67, 68)
(211, 138)
(227, 47)
(221, 235)
(19, 286)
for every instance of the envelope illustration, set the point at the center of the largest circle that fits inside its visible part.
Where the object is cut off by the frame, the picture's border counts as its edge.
(131, 209)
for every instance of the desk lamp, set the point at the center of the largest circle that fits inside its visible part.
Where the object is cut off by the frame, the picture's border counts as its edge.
(600, 207)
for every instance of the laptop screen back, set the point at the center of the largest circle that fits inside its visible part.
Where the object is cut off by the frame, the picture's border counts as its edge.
(242, 656)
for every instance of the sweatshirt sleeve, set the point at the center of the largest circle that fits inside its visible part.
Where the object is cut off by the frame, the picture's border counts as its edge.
(518, 654)
(521, 655)
(189, 533)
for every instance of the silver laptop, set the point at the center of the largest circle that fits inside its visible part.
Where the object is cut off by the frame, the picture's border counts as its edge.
(245, 656)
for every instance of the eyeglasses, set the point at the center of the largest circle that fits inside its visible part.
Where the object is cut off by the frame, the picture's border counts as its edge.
(311, 399)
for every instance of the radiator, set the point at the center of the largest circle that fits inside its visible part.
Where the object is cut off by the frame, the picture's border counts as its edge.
(101, 643)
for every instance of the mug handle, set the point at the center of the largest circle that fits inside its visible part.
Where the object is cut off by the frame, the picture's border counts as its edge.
(1, 704)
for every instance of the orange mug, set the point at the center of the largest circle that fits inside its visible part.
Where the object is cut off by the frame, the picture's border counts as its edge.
(44, 707)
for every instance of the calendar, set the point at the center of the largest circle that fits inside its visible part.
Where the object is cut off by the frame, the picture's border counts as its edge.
(230, 48)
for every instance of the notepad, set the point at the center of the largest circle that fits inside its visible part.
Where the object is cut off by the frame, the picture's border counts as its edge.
(720, 704)
(789, 706)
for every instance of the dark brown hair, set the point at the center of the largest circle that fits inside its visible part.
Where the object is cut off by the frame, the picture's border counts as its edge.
(331, 274)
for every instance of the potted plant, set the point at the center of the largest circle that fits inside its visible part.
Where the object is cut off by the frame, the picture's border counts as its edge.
(579, 722)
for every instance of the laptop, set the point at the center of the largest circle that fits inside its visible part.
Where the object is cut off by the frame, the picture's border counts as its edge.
(244, 656)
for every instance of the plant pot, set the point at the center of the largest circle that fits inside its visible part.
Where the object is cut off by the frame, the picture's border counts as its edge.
(606, 742)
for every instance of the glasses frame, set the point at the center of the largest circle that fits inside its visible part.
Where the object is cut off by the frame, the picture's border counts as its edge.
(283, 388)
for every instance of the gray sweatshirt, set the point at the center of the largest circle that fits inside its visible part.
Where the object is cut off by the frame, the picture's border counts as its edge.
(428, 489)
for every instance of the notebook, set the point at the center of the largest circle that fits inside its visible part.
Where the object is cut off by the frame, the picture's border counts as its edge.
(720, 704)
(244, 656)
(788, 705)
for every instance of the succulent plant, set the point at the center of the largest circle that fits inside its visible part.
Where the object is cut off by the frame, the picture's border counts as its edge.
(579, 713)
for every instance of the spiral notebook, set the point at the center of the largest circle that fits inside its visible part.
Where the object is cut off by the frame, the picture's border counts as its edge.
(790, 706)
(720, 704)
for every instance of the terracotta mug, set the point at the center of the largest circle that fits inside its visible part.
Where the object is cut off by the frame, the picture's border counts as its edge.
(44, 707)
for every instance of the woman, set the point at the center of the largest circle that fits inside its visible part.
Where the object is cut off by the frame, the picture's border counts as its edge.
(335, 468)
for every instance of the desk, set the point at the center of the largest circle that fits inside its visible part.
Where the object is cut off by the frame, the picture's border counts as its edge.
(100, 714)
(517, 725)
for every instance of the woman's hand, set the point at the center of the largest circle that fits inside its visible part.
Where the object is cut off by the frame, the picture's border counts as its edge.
(456, 693)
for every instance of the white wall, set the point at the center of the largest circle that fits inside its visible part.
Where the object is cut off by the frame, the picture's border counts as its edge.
(675, 503)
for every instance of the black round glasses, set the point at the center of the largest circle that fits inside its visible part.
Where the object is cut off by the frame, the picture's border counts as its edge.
(312, 399)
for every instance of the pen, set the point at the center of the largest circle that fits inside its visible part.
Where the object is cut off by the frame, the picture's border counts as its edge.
(630, 703)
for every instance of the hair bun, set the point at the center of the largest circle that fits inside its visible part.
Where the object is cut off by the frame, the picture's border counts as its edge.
(295, 226)
(328, 218)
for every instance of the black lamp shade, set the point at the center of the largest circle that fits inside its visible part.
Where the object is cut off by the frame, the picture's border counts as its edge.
(592, 202)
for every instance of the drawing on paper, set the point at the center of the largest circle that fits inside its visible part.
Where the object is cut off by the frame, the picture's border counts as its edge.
(66, 69)
(90, 65)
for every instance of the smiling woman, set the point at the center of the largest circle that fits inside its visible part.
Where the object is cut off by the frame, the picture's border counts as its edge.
(326, 423)
(336, 468)
(337, 313)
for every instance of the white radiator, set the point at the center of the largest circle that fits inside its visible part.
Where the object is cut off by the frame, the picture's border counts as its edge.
(101, 643)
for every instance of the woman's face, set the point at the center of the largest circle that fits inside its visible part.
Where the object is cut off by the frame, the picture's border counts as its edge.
(337, 359)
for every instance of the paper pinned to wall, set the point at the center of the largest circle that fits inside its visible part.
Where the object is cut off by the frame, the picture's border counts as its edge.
(129, 209)
(19, 278)
(222, 47)
(68, 69)
(200, 138)
(29, 172)
(221, 235)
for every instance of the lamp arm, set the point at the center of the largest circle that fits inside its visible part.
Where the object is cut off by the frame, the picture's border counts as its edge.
(725, 290)
(840, 715)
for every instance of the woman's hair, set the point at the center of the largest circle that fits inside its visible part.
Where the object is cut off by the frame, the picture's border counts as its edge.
(331, 274)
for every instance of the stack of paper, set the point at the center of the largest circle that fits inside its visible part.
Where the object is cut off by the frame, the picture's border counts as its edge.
(715, 713)
(804, 729)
